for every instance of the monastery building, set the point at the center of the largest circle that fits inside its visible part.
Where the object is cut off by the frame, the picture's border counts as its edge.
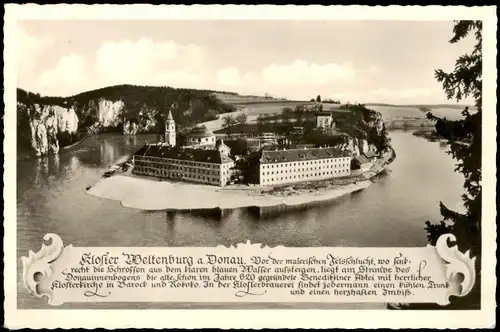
(297, 165)
(206, 161)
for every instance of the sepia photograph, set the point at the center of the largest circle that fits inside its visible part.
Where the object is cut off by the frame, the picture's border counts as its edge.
(282, 132)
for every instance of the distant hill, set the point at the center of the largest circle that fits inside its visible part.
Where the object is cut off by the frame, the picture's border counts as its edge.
(188, 106)
(453, 106)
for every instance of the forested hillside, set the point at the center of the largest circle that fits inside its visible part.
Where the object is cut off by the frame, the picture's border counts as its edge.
(108, 109)
(188, 106)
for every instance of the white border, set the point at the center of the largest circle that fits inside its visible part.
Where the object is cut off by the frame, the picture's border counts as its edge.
(253, 318)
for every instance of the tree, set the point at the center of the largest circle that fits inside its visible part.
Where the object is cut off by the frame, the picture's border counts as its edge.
(318, 99)
(228, 123)
(261, 123)
(275, 118)
(464, 81)
(286, 114)
(381, 141)
(299, 114)
(181, 138)
(240, 147)
(242, 119)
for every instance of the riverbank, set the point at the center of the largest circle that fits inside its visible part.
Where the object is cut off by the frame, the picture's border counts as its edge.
(26, 154)
(146, 193)
(428, 133)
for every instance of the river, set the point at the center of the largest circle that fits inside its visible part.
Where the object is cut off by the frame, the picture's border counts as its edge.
(51, 198)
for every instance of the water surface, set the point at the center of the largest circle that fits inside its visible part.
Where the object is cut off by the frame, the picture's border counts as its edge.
(51, 198)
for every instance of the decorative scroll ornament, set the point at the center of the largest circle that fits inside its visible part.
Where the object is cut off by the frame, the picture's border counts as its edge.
(456, 263)
(40, 263)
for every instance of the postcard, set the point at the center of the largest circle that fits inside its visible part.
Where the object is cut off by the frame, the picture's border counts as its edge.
(249, 166)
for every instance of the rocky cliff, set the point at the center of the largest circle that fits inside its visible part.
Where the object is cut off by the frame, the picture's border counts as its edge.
(364, 128)
(45, 124)
(52, 126)
(49, 127)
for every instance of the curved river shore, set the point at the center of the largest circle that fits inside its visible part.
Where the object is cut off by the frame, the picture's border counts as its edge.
(149, 193)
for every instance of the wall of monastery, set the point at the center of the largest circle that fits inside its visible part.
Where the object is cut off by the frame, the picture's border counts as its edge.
(300, 171)
(185, 170)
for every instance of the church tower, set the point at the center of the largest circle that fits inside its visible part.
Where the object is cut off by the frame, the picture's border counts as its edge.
(170, 130)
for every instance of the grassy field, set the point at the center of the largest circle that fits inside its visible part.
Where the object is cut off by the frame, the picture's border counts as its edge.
(394, 116)
(407, 112)
(449, 113)
(255, 108)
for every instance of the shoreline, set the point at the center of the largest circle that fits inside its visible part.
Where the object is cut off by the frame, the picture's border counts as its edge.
(150, 194)
(27, 155)
(429, 134)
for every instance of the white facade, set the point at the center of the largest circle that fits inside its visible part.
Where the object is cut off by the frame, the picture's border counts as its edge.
(170, 130)
(306, 170)
(324, 121)
(223, 148)
(193, 140)
(365, 167)
(187, 170)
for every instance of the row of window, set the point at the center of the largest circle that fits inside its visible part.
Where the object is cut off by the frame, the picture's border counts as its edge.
(313, 162)
(294, 170)
(138, 159)
(160, 166)
(199, 140)
(163, 166)
(304, 176)
(162, 173)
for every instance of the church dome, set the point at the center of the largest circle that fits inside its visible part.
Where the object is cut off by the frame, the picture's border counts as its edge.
(200, 131)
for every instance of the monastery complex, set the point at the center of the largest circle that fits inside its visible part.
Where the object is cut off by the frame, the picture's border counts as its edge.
(206, 159)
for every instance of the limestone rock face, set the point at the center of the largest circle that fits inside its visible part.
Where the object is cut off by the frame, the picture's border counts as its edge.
(126, 128)
(134, 129)
(101, 114)
(67, 119)
(110, 112)
(39, 137)
(363, 146)
(358, 146)
(377, 123)
(52, 128)
(47, 124)
(130, 128)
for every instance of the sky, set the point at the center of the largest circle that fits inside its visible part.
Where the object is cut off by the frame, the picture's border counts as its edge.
(353, 61)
